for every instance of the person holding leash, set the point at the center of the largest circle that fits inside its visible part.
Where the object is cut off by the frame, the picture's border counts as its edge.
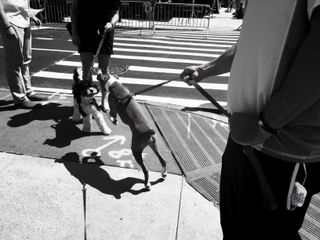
(89, 20)
(16, 36)
(271, 162)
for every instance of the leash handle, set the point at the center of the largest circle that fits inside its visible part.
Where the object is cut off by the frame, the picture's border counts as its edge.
(211, 99)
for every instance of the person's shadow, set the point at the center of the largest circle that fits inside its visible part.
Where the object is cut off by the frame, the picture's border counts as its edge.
(93, 175)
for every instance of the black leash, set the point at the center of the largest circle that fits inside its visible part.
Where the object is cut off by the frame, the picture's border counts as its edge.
(211, 99)
(153, 87)
(99, 48)
(84, 210)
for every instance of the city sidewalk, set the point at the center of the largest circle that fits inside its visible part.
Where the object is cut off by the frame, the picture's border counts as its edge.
(43, 199)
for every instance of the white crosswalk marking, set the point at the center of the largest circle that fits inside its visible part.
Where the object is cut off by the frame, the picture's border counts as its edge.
(153, 60)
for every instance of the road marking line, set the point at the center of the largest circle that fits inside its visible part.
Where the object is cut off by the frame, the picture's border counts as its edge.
(136, 81)
(135, 68)
(184, 102)
(208, 45)
(196, 54)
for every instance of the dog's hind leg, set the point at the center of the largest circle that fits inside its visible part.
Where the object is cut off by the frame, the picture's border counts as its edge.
(153, 145)
(137, 154)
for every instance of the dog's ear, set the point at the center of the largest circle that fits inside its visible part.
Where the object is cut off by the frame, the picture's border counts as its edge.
(77, 74)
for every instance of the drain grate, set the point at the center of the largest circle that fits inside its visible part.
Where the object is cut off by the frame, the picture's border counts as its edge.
(198, 144)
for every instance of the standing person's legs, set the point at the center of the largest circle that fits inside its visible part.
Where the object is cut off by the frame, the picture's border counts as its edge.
(25, 71)
(27, 55)
(13, 64)
(104, 61)
(86, 60)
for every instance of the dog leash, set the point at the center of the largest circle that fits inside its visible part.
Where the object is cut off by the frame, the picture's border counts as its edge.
(99, 48)
(153, 87)
(211, 99)
(84, 210)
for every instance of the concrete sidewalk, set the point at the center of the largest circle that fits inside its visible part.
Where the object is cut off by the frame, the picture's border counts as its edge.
(43, 199)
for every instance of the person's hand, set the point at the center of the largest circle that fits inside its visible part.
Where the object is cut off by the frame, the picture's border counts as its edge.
(245, 130)
(75, 39)
(190, 74)
(37, 21)
(11, 33)
(108, 26)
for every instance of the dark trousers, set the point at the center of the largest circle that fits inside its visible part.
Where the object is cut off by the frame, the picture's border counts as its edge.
(242, 207)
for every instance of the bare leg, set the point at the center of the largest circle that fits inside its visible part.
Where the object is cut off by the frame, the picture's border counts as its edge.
(104, 61)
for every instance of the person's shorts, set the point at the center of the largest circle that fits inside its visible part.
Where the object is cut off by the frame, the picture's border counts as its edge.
(89, 42)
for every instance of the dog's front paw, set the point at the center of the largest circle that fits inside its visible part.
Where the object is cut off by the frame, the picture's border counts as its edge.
(164, 173)
(104, 109)
(147, 185)
(114, 120)
(107, 131)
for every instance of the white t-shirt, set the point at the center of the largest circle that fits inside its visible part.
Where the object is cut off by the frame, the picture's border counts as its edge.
(259, 62)
(17, 12)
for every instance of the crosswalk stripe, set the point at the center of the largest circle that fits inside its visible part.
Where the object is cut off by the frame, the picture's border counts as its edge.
(184, 102)
(159, 59)
(135, 68)
(208, 45)
(134, 50)
(168, 47)
(188, 39)
(135, 81)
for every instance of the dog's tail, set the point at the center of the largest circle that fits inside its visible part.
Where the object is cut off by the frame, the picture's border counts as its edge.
(77, 74)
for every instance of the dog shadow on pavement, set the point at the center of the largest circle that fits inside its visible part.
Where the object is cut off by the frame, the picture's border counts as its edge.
(54, 116)
(95, 176)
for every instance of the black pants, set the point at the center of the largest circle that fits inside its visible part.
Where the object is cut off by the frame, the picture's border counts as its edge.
(242, 209)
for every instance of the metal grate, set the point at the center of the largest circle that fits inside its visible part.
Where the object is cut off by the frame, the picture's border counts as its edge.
(194, 142)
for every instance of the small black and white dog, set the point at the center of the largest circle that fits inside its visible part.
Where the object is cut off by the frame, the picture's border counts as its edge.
(122, 102)
(85, 105)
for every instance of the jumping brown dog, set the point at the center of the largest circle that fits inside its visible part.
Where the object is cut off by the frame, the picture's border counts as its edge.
(122, 102)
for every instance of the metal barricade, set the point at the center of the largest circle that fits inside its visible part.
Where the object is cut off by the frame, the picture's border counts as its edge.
(57, 11)
(180, 15)
(135, 14)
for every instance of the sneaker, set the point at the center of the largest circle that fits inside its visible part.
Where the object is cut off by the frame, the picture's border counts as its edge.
(37, 97)
(28, 105)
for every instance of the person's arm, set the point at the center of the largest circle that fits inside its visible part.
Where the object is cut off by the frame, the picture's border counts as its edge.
(218, 66)
(301, 88)
(4, 23)
(115, 18)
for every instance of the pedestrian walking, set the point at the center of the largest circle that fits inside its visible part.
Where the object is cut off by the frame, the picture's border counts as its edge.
(271, 162)
(90, 19)
(16, 36)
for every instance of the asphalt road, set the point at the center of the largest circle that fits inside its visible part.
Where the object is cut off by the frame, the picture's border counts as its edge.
(151, 60)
